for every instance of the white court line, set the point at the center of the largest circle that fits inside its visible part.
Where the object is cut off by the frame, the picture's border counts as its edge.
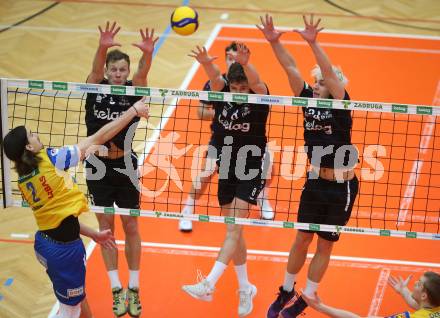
(349, 32)
(427, 132)
(20, 235)
(214, 249)
(379, 292)
(337, 45)
(258, 40)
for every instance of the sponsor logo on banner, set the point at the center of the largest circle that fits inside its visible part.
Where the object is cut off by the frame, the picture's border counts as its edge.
(135, 212)
(88, 88)
(288, 225)
(142, 91)
(400, 108)
(346, 104)
(300, 102)
(239, 98)
(36, 84)
(258, 222)
(367, 106)
(385, 233)
(120, 90)
(109, 210)
(215, 96)
(163, 92)
(424, 110)
(269, 100)
(204, 218)
(184, 93)
(324, 103)
(314, 227)
(158, 214)
(411, 234)
(229, 220)
(61, 86)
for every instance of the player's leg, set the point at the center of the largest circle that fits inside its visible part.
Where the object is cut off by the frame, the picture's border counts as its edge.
(263, 202)
(66, 268)
(86, 312)
(309, 211)
(128, 197)
(338, 199)
(205, 288)
(198, 187)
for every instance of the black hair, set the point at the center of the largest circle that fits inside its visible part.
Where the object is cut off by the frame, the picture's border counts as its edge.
(231, 47)
(236, 73)
(14, 146)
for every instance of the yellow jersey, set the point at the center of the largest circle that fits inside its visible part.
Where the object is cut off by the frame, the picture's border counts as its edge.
(50, 191)
(421, 313)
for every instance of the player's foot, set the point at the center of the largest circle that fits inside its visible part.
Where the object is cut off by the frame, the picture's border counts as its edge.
(185, 225)
(119, 307)
(283, 298)
(202, 290)
(245, 304)
(295, 309)
(134, 304)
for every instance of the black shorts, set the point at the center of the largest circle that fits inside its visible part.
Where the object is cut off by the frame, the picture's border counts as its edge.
(236, 187)
(113, 187)
(327, 202)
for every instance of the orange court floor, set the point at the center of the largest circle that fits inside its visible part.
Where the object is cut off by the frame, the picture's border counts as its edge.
(380, 68)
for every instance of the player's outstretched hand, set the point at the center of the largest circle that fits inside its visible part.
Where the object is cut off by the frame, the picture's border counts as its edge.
(148, 41)
(398, 283)
(107, 37)
(311, 29)
(202, 56)
(268, 29)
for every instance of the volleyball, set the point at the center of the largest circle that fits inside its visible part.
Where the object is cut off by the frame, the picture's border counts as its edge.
(184, 20)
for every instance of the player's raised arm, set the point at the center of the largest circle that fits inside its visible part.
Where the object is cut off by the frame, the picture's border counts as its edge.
(242, 57)
(106, 41)
(147, 47)
(217, 82)
(282, 54)
(332, 82)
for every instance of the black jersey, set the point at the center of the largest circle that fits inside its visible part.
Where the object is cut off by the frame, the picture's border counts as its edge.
(325, 127)
(103, 108)
(244, 122)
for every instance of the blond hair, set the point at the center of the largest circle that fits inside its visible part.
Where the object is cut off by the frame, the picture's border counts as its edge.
(317, 74)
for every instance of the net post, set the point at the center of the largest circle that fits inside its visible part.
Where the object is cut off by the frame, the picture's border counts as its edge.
(6, 163)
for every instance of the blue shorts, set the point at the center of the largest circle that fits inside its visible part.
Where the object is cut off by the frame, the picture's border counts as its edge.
(65, 265)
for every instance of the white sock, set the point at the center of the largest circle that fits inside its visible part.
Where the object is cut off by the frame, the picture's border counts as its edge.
(216, 272)
(114, 279)
(133, 280)
(311, 288)
(189, 205)
(241, 271)
(289, 281)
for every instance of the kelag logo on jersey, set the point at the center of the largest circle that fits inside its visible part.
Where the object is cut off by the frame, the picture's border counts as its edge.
(230, 115)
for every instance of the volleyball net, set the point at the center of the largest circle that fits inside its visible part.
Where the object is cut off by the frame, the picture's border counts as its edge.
(398, 146)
